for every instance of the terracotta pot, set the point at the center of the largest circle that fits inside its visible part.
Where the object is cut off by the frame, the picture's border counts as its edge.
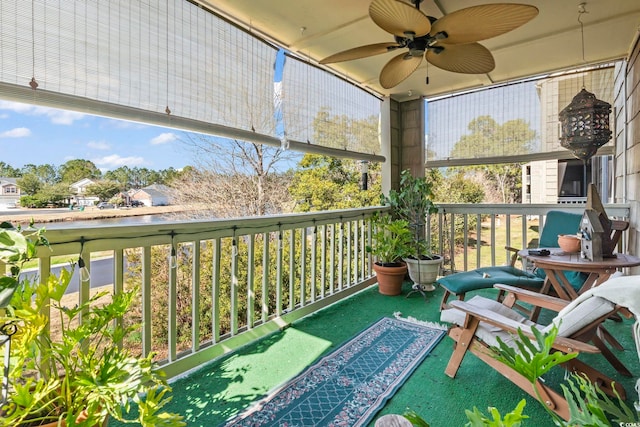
(390, 278)
(79, 419)
(569, 242)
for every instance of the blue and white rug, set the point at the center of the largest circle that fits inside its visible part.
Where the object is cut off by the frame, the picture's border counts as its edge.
(348, 386)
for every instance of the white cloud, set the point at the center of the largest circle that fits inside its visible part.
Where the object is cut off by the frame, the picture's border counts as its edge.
(164, 138)
(15, 133)
(59, 117)
(115, 161)
(98, 145)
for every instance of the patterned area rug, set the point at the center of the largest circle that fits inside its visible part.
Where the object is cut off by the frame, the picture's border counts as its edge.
(348, 386)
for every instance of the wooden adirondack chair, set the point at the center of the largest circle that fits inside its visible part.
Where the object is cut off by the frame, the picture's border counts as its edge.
(477, 322)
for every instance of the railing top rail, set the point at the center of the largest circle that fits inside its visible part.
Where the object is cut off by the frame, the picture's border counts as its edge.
(65, 239)
(620, 210)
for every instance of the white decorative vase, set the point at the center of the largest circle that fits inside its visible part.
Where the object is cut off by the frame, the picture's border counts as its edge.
(424, 272)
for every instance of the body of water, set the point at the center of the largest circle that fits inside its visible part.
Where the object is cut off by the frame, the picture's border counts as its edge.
(123, 220)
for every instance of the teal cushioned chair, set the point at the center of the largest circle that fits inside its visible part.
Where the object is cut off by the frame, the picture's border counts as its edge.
(557, 222)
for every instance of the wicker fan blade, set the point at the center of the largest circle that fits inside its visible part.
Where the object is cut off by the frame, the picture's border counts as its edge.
(360, 52)
(398, 69)
(397, 18)
(470, 58)
(483, 22)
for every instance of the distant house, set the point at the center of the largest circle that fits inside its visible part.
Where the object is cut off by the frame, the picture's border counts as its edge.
(9, 191)
(152, 195)
(79, 190)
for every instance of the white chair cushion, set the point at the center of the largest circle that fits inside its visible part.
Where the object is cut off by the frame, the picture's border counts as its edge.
(581, 315)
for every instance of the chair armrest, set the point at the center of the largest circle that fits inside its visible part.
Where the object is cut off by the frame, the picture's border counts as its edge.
(618, 224)
(566, 345)
(514, 256)
(531, 297)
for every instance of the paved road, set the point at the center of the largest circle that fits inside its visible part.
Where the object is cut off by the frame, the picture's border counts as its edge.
(101, 274)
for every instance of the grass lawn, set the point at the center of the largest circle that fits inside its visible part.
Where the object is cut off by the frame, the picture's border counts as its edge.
(490, 250)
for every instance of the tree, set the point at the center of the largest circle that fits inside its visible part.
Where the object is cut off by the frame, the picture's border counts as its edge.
(234, 178)
(104, 189)
(55, 193)
(324, 183)
(455, 186)
(29, 184)
(77, 169)
(134, 177)
(47, 173)
(487, 138)
(8, 171)
(346, 133)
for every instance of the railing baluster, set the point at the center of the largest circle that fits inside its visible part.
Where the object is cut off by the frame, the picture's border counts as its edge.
(265, 276)
(195, 295)
(147, 309)
(493, 239)
(251, 292)
(279, 274)
(292, 270)
(332, 257)
(349, 258)
(314, 265)
(323, 261)
(465, 239)
(172, 304)
(478, 240)
(341, 256)
(216, 317)
(234, 286)
(303, 267)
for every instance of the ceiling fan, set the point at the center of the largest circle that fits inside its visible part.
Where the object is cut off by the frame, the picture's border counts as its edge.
(449, 43)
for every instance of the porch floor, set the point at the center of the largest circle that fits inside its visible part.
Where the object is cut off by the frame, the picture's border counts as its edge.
(227, 386)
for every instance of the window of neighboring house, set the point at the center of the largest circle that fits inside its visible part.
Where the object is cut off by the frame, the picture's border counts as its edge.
(10, 190)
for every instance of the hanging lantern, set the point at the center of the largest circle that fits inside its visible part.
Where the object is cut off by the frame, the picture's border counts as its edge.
(585, 125)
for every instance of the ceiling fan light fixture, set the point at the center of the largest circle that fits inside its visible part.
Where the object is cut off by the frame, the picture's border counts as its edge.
(440, 35)
(409, 35)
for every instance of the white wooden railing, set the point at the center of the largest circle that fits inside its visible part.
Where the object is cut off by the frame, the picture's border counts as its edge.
(233, 281)
(481, 232)
(208, 287)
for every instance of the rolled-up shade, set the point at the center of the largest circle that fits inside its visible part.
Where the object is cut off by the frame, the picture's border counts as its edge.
(323, 109)
(510, 123)
(146, 55)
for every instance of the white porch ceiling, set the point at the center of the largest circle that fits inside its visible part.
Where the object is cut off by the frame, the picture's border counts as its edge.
(551, 42)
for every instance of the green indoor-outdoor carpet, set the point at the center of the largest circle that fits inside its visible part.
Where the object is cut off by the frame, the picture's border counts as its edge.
(231, 384)
(348, 386)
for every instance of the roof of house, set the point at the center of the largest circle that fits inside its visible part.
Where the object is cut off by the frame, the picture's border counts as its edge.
(8, 181)
(82, 183)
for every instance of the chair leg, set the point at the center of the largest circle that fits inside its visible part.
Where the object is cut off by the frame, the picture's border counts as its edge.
(608, 354)
(445, 298)
(462, 338)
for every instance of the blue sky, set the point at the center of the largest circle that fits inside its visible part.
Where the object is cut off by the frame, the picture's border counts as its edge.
(37, 135)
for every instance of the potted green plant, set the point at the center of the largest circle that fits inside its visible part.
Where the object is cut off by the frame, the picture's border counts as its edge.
(16, 248)
(82, 375)
(390, 242)
(413, 202)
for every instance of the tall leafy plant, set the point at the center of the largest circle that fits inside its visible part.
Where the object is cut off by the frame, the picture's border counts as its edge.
(413, 202)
